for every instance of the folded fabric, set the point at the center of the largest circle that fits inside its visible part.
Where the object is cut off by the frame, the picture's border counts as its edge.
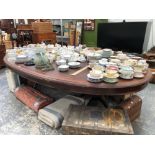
(53, 114)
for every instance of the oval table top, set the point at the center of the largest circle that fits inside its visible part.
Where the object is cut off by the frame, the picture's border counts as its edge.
(78, 83)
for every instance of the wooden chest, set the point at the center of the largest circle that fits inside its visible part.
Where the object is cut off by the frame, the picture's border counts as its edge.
(40, 37)
(133, 107)
(96, 120)
(42, 27)
(32, 98)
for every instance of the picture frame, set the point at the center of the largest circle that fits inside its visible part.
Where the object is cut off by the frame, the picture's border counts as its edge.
(89, 24)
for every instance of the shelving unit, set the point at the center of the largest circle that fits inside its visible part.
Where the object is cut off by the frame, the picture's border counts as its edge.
(24, 33)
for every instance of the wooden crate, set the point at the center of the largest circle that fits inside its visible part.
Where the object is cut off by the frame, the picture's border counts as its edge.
(42, 27)
(96, 120)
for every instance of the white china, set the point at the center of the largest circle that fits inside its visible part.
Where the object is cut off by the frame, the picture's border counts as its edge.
(74, 64)
(63, 68)
(61, 62)
(138, 74)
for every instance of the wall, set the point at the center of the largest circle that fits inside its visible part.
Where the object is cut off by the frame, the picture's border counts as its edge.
(90, 37)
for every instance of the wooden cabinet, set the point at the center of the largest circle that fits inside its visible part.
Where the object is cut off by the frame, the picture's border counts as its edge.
(24, 34)
(44, 37)
(2, 54)
(7, 25)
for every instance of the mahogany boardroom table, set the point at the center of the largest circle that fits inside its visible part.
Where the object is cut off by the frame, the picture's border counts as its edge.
(78, 83)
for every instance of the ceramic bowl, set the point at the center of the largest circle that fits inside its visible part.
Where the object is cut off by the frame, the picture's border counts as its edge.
(61, 62)
(74, 64)
(21, 59)
(63, 68)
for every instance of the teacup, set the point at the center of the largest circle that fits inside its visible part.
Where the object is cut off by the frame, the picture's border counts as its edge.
(96, 73)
